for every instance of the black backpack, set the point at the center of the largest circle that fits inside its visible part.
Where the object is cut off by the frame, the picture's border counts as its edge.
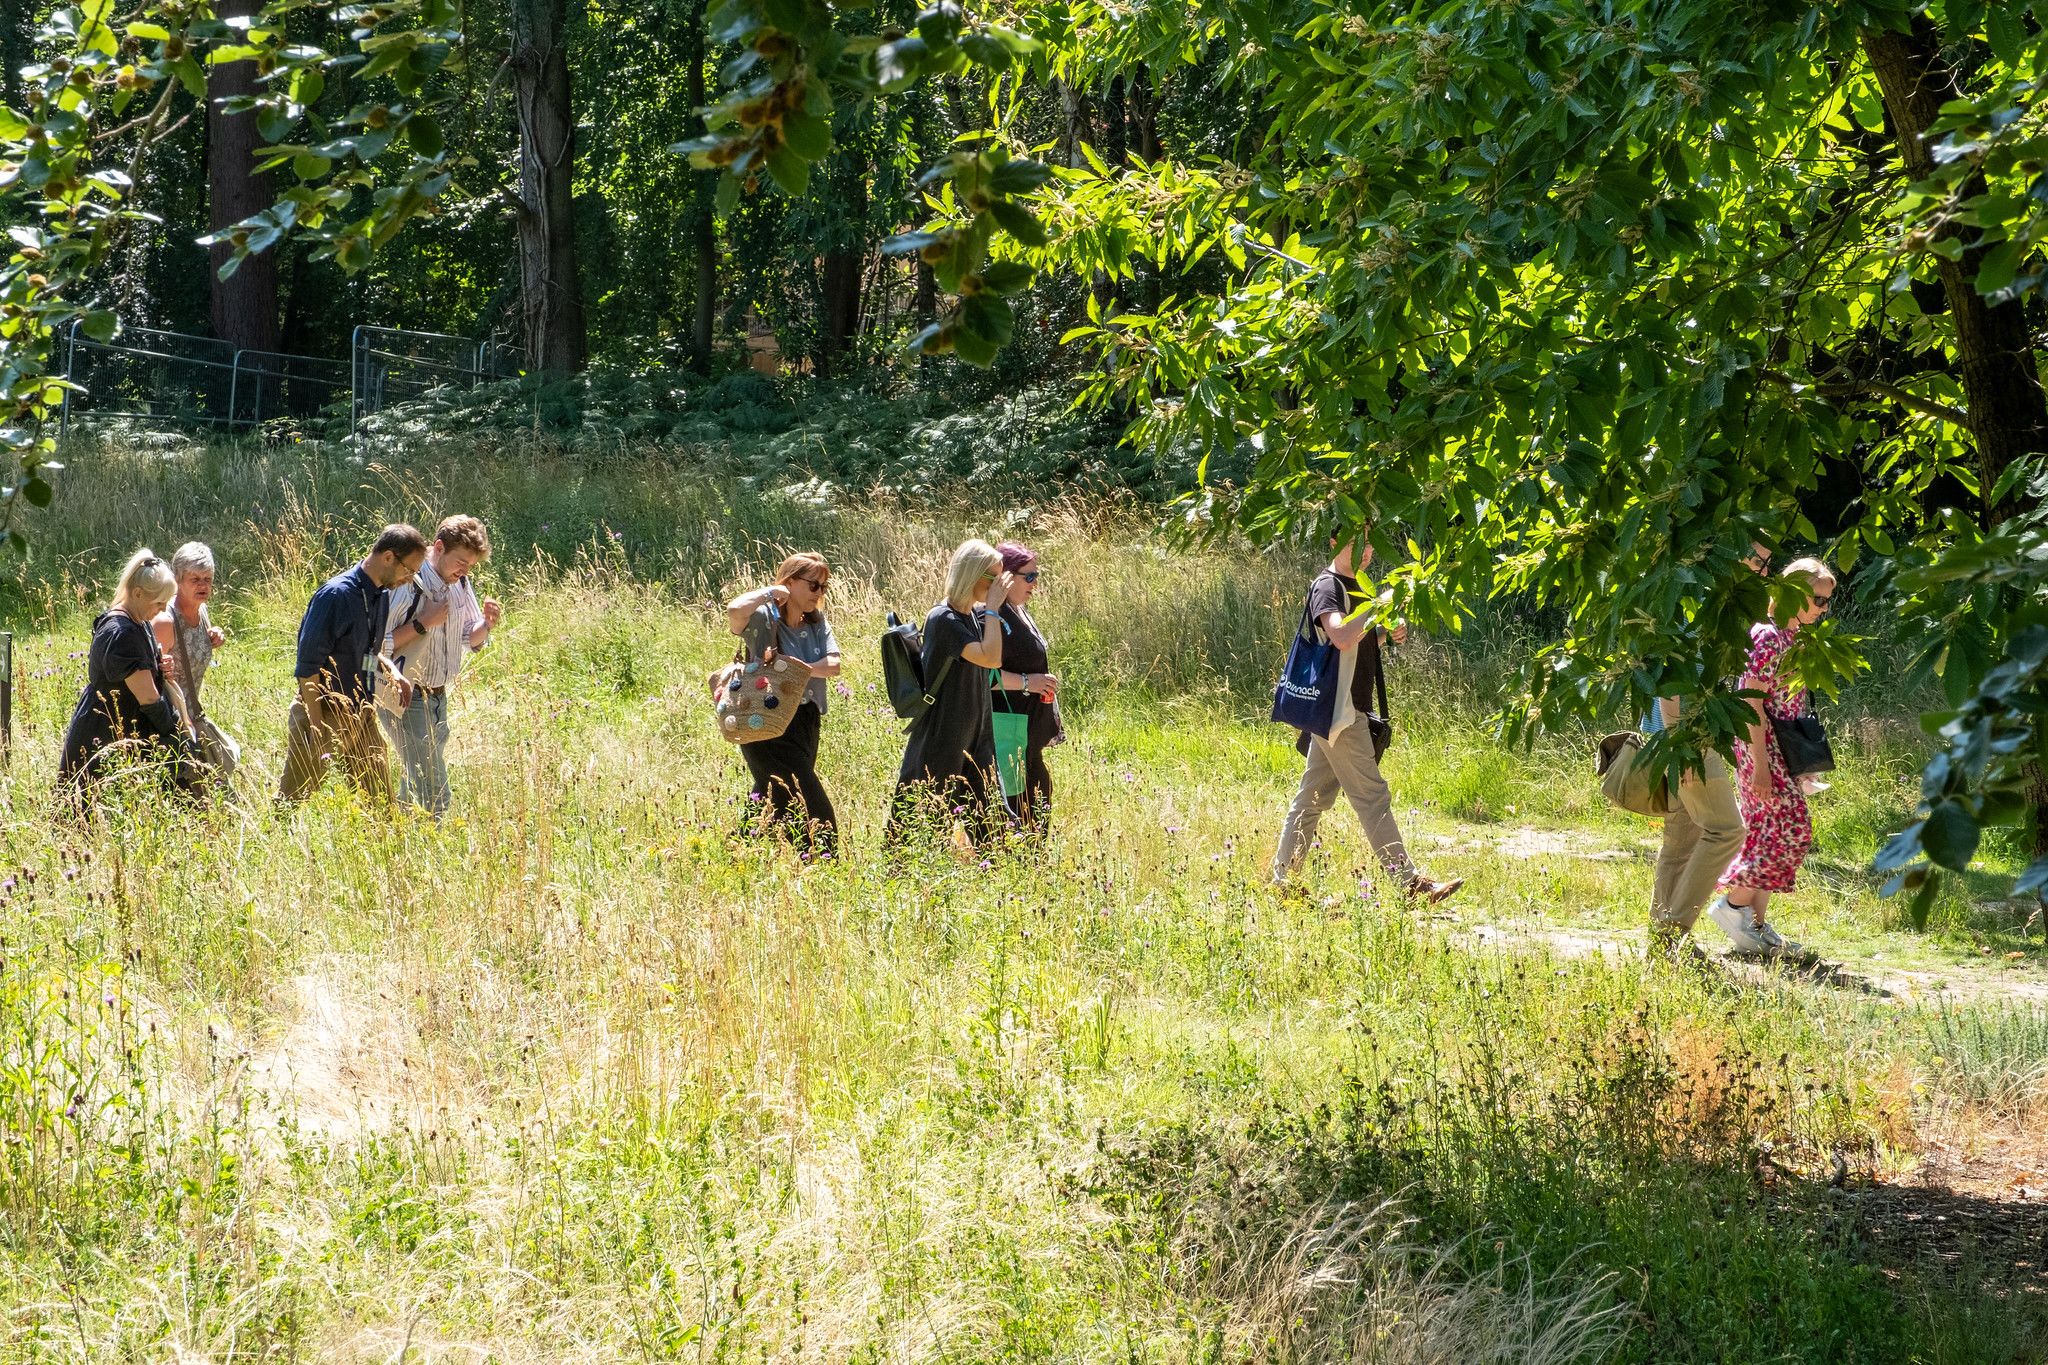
(903, 669)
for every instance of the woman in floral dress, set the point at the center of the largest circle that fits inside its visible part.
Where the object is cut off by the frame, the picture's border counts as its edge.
(1778, 831)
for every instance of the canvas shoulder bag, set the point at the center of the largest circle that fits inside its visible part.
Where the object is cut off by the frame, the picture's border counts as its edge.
(756, 700)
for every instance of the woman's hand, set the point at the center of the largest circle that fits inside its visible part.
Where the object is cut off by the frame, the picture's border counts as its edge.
(1042, 685)
(1760, 777)
(778, 593)
(999, 592)
(216, 637)
(1398, 633)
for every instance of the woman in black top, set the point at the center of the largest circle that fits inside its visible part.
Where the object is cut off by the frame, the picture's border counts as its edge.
(124, 704)
(1025, 685)
(949, 761)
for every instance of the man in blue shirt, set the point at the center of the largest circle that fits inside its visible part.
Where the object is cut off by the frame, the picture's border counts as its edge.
(341, 651)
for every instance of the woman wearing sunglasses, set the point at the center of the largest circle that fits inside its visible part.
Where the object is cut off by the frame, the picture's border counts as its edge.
(1025, 687)
(1777, 828)
(789, 616)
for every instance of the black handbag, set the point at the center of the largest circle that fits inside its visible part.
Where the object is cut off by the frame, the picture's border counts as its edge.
(1803, 743)
(1380, 723)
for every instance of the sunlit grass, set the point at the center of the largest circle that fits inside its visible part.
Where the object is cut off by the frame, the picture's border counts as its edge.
(581, 1074)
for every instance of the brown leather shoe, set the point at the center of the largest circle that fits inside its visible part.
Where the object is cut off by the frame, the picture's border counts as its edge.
(1431, 891)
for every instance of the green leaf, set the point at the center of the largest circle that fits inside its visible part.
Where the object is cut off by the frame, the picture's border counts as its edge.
(988, 317)
(1020, 176)
(100, 325)
(810, 138)
(790, 172)
(976, 351)
(37, 492)
(726, 197)
(985, 49)
(424, 135)
(1923, 901)
(1951, 834)
(899, 63)
(308, 166)
(1019, 222)
(1006, 277)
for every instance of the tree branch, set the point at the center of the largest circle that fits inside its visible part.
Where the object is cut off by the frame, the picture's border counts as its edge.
(1874, 388)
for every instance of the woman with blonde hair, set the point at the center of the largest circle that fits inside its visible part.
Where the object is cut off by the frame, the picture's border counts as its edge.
(123, 705)
(951, 755)
(186, 637)
(1777, 828)
(788, 616)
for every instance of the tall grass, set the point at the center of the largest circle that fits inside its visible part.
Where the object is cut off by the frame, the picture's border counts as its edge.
(586, 1074)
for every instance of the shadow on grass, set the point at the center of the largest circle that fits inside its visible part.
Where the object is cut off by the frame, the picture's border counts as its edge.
(1403, 1231)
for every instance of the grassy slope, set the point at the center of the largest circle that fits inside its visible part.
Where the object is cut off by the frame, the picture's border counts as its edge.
(580, 1076)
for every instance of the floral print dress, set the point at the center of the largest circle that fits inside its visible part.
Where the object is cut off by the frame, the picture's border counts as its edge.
(1778, 833)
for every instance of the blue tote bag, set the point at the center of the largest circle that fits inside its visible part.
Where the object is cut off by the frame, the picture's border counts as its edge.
(1306, 696)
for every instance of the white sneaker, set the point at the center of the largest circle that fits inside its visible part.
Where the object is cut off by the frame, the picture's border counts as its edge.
(1774, 943)
(1734, 921)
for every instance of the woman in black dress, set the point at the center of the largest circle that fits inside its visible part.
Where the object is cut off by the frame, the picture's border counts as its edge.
(948, 765)
(1024, 685)
(124, 705)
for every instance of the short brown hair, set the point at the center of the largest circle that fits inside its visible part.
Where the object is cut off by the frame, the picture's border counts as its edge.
(464, 533)
(401, 540)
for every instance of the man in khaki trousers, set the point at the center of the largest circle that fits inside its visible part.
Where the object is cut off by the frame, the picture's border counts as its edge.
(341, 654)
(1344, 761)
(1702, 833)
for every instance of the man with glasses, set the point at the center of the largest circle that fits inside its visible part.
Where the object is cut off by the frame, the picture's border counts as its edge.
(341, 654)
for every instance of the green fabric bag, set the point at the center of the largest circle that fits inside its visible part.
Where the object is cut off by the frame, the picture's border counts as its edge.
(1012, 736)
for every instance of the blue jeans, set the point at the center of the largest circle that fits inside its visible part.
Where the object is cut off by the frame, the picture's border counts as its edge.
(421, 738)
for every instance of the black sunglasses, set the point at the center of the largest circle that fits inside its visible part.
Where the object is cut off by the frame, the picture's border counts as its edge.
(1031, 577)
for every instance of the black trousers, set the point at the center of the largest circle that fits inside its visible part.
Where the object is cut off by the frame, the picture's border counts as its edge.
(785, 773)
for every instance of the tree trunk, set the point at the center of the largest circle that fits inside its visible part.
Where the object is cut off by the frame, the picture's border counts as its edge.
(1994, 355)
(840, 281)
(1074, 129)
(551, 287)
(703, 221)
(1144, 113)
(15, 50)
(244, 305)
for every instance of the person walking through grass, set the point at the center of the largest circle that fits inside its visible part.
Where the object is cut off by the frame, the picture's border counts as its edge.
(434, 623)
(1024, 686)
(124, 706)
(1702, 831)
(187, 638)
(949, 761)
(1345, 761)
(341, 642)
(788, 615)
(1778, 830)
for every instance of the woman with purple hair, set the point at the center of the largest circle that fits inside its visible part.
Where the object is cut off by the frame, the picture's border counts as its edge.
(1024, 685)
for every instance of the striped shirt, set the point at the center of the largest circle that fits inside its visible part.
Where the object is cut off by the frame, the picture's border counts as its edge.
(436, 660)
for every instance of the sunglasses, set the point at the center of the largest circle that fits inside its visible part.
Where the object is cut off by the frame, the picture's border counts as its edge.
(816, 584)
(1031, 577)
(1821, 600)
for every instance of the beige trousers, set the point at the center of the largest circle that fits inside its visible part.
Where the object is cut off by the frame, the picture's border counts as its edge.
(354, 740)
(1702, 835)
(1344, 764)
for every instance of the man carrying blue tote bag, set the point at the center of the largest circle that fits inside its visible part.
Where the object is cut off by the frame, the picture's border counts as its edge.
(1327, 692)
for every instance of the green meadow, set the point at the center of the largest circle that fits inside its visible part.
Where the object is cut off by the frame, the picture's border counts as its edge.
(588, 1073)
